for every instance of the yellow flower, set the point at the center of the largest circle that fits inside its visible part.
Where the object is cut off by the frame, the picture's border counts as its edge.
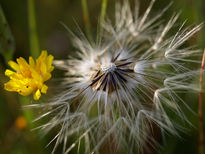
(30, 77)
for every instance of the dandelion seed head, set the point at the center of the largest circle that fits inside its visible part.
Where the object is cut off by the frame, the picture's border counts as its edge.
(117, 90)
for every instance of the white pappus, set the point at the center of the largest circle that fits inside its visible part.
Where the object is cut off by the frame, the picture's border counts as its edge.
(115, 91)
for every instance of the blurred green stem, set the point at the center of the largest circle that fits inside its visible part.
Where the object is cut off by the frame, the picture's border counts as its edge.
(103, 12)
(28, 114)
(33, 38)
(102, 17)
(86, 19)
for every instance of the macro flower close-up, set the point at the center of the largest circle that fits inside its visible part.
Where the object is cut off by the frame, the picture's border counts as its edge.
(128, 77)
(116, 90)
(30, 77)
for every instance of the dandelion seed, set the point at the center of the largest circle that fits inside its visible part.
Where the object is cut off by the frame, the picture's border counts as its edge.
(116, 92)
(30, 78)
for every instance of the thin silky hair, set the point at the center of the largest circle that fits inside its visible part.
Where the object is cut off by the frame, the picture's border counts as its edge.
(114, 92)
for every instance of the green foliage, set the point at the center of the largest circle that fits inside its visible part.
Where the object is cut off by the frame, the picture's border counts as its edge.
(7, 43)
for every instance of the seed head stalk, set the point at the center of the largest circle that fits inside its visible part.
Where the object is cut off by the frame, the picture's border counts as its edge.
(86, 19)
(201, 132)
(102, 17)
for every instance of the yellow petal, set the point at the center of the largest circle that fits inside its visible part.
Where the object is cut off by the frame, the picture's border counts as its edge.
(8, 86)
(13, 65)
(46, 76)
(9, 72)
(43, 69)
(44, 89)
(37, 95)
(51, 69)
(22, 61)
(24, 92)
(49, 60)
(43, 53)
(42, 57)
(24, 67)
(31, 62)
(35, 75)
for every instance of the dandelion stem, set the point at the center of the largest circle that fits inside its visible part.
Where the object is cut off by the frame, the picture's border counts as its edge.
(102, 17)
(86, 19)
(33, 37)
(103, 11)
(29, 115)
(201, 133)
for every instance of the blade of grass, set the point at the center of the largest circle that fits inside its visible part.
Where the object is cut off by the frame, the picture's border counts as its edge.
(201, 132)
(86, 20)
(7, 43)
(33, 37)
(102, 17)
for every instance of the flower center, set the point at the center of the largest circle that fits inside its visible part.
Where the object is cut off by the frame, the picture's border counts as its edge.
(108, 68)
(112, 76)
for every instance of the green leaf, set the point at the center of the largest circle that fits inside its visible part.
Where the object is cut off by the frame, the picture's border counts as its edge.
(7, 43)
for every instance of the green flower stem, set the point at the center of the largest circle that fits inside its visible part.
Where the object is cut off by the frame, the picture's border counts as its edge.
(102, 17)
(86, 19)
(33, 37)
(28, 114)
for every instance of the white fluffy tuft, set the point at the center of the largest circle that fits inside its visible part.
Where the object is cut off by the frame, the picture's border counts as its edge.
(117, 92)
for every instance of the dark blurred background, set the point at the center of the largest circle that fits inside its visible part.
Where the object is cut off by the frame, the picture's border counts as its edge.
(16, 124)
